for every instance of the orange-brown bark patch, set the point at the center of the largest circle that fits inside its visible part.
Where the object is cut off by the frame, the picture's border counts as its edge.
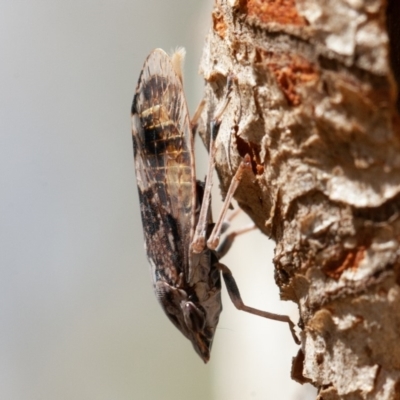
(219, 24)
(348, 260)
(290, 72)
(281, 11)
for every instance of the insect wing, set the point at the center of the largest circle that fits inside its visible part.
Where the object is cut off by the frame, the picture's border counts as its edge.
(164, 166)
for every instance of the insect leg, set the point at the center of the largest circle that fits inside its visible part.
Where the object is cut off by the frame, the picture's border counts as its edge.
(227, 222)
(226, 244)
(234, 294)
(199, 238)
(197, 115)
(213, 239)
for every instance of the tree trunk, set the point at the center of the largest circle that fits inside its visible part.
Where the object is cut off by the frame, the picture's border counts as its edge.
(315, 106)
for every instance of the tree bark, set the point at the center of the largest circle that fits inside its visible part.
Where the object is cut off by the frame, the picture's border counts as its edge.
(315, 105)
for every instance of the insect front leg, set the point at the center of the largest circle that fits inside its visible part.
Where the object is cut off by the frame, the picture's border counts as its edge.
(228, 240)
(195, 120)
(213, 239)
(199, 238)
(236, 298)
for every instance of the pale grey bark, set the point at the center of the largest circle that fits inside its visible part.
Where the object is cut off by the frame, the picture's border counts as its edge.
(315, 107)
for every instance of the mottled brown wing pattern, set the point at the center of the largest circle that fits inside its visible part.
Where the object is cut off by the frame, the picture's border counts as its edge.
(164, 166)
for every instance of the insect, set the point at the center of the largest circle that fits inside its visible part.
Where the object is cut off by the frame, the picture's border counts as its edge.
(175, 208)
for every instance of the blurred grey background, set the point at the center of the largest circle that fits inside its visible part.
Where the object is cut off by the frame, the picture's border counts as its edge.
(78, 318)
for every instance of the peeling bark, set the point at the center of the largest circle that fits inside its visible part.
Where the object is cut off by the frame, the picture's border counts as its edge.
(316, 107)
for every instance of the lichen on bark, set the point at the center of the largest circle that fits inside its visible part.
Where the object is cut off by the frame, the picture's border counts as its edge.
(315, 105)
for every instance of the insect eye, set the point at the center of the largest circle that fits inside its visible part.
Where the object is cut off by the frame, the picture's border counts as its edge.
(194, 317)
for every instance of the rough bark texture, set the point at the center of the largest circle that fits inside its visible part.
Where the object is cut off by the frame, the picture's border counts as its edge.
(315, 106)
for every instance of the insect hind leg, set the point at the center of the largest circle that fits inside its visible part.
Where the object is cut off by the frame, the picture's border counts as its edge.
(237, 301)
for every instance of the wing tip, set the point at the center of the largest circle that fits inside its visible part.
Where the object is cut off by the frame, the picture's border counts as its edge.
(177, 59)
